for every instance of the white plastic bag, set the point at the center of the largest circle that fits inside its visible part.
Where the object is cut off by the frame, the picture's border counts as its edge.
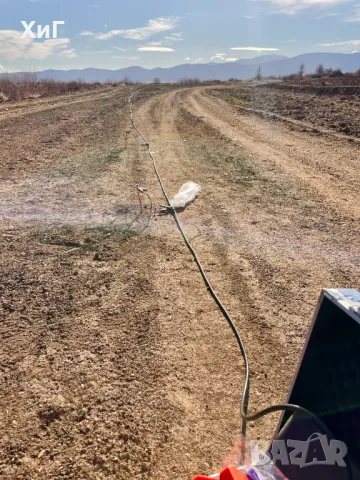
(185, 195)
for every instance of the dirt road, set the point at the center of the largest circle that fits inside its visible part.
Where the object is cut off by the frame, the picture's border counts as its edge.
(116, 362)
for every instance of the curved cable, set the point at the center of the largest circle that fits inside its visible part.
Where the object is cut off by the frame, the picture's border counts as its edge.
(246, 391)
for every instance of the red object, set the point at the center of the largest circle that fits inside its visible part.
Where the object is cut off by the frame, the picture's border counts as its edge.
(232, 474)
(201, 477)
(229, 473)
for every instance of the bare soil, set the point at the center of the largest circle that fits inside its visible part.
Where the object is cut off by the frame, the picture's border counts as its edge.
(314, 106)
(115, 361)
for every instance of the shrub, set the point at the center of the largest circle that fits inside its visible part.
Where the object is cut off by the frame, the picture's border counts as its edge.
(292, 77)
(189, 81)
(258, 75)
(337, 73)
(320, 70)
(301, 70)
(26, 85)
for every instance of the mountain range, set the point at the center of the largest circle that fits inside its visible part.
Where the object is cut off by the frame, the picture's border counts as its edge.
(242, 69)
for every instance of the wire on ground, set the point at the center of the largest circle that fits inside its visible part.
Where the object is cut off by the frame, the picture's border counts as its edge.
(246, 391)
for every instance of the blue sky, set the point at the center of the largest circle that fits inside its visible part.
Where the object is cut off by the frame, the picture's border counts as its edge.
(115, 34)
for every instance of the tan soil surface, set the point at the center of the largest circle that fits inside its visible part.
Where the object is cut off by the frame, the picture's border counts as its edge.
(332, 108)
(115, 361)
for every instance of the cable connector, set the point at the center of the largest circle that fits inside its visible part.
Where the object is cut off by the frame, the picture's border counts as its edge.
(167, 209)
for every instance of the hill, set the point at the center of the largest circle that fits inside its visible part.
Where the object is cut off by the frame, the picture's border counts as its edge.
(243, 69)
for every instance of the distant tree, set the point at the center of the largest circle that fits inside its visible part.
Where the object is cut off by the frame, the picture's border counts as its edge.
(156, 80)
(357, 73)
(28, 77)
(258, 75)
(301, 70)
(320, 70)
(337, 73)
(189, 81)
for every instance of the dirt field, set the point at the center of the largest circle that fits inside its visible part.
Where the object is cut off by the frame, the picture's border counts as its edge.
(115, 361)
(329, 104)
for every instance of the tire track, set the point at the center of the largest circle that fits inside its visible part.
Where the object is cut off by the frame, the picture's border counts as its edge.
(190, 134)
(314, 162)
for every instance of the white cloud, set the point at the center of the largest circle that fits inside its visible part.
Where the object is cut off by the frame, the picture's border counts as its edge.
(121, 49)
(153, 27)
(187, 58)
(291, 7)
(2, 69)
(12, 46)
(223, 57)
(255, 49)
(151, 48)
(219, 56)
(70, 53)
(42, 50)
(174, 37)
(348, 43)
(168, 40)
(86, 33)
(355, 17)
